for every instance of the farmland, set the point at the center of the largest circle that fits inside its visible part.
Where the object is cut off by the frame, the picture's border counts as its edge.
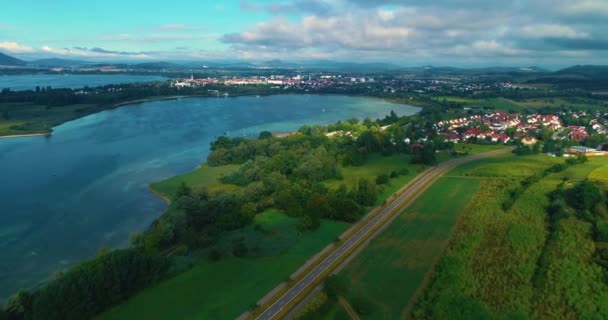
(405, 251)
(517, 263)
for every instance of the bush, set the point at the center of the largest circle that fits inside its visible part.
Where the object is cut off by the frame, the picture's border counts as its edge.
(362, 305)
(335, 286)
(214, 254)
(239, 249)
(382, 179)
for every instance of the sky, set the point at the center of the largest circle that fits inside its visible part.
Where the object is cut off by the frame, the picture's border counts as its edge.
(408, 32)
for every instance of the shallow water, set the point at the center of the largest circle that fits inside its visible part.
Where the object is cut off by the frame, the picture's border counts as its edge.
(64, 197)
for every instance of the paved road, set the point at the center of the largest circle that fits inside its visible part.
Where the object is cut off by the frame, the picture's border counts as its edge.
(354, 240)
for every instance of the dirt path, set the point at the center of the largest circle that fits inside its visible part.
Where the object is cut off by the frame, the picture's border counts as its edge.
(351, 312)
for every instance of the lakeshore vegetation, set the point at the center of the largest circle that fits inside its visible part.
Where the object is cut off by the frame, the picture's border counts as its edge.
(258, 207)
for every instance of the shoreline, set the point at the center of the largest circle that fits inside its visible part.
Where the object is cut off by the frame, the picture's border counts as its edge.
(152, 99)
(163, 197)
(26, 135)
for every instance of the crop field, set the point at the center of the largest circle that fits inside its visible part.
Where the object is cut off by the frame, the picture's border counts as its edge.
(226, 288)
(389, 271)
(510, 263)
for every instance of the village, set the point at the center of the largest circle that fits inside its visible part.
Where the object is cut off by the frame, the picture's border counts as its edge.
(531, 129)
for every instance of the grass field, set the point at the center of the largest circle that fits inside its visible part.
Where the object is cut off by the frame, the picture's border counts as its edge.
(204, 176)
(376, 165)
(229, 287)
(389, 271)
(25, 118)
(478, 148)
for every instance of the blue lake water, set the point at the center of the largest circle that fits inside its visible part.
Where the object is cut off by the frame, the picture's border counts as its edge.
(64, 197)
(27, 82)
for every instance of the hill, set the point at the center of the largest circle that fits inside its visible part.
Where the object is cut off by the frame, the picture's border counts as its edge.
(6, 60)
(586, 70)
(56, 62)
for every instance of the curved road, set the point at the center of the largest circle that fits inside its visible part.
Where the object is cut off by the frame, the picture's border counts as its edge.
(331, 261)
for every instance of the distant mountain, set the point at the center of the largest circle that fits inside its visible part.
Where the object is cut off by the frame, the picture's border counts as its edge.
(327, 65)
(10, 61)
(61, 63)
(158, 65)
(437, 71)
(586, 70)
(580, 77)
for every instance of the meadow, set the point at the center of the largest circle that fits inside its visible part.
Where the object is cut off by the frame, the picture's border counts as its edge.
(26, 118)
(203, 177)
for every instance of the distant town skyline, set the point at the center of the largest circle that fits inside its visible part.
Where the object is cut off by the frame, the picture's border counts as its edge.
(444, 32)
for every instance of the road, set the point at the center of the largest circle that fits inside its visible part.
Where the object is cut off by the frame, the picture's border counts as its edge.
(331, 261)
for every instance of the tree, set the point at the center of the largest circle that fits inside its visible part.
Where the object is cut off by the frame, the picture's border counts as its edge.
(265, 135)
(19, 306)
(383, 179)
(366, 193)
(239, 248)
(183, 190)
(335, 286)
(585, 195)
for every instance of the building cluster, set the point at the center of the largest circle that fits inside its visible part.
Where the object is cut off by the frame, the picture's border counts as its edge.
(496, 126)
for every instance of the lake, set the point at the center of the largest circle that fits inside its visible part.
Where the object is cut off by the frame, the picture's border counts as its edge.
(29, 82)
(65, 196)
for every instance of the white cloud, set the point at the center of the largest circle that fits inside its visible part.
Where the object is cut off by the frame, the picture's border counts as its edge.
(14, 47)
(585, 7)
(485, 48)
(92, 53)
(552, 31)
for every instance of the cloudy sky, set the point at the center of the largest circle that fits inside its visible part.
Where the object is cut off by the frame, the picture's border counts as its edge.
(414, 32)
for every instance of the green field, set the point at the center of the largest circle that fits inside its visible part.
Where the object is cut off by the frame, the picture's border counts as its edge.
(478, 148)
(389, 271)
(26, 118)
(203, 176)
(503, 104)
(229, 287)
